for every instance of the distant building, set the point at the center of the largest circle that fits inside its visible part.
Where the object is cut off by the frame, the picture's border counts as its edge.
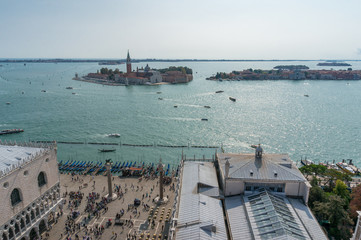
(129, 64)
(29, 189)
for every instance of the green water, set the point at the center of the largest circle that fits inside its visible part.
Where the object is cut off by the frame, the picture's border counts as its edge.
(324, 127)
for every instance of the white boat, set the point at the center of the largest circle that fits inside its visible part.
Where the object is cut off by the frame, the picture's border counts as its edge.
(114, 135)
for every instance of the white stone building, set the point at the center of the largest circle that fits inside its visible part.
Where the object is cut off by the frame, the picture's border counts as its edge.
(245, 173)
(29, 189)
(266, 197)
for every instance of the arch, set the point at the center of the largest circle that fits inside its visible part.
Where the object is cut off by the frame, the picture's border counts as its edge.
(33, 235)
(32, 215)
(23, 238)
(11, 233)
(27, 219)
(17, 228)
(4, 237)
(37, 212)
(22, 223)
(41, 179)
(42, 226)
(15, 197)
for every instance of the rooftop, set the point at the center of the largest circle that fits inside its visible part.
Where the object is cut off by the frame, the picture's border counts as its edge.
(269, 167)
(200, 214)
(264, 215)
(14, 155)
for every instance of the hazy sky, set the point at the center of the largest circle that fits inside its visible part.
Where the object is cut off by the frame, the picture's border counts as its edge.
(253, 29)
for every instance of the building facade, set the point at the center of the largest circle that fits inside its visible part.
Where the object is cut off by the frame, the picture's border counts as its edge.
(29, 189)
(246, 173)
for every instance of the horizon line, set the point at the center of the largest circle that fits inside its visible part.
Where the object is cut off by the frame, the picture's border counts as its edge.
(164, 59)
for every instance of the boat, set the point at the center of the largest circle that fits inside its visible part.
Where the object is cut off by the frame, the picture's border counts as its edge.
(306, 162)
(117, 135)
(106, 150)
(43, 90)
(159, 92)
(253, 146)
(175, 106)
(8, 103)
(232, 99)
(69, 88)
(73, 93)
(160, 98)
(207, 106)
(306, 95)
(220, 91)
(348, 167)
(204, 119)
(10, 131)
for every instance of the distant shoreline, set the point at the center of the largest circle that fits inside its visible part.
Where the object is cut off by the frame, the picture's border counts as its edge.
(69, 60)
(107, 82)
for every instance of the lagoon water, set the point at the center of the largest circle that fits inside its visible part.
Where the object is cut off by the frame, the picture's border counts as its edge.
(323, 127)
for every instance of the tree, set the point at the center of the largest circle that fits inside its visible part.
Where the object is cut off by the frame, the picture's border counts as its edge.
(332, 175)
(334, 211)
(342, 191)
(116, 71)
(104, 70)
(313, 169)
(316, 195)
(355, 203)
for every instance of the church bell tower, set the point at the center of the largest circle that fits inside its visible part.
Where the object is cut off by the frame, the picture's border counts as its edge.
(129, 64)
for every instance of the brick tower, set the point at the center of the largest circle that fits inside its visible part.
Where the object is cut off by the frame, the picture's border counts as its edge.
(129, 64)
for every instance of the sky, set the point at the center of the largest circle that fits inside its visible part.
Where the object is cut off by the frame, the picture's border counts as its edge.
(181, 29)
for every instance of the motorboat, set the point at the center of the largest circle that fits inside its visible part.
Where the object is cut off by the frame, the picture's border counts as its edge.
(204, 119)
(220, 91)
(10, 131)
(117, 135)
(69, 88)
(306, 95)
(106, 150)
(232, 99)
(207, 106)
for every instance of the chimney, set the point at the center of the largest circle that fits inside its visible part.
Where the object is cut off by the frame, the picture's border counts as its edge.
(226, 168)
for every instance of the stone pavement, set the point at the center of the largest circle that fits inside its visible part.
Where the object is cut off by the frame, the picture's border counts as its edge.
(139, 222)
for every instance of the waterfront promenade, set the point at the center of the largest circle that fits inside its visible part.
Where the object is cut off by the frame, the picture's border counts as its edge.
(134, 219)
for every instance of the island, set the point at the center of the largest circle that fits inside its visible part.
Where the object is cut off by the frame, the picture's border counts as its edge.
(140, 76)
(334, 64)
(287, 74)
